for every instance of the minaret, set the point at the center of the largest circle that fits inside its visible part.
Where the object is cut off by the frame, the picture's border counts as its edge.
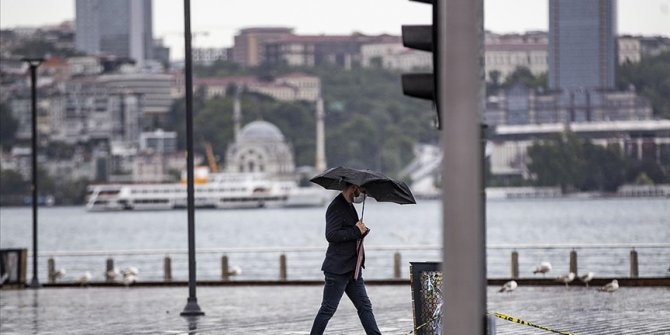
(237, 115)
(320, 137)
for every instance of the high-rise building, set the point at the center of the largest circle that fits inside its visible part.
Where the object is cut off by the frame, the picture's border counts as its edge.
(582, 45)
(117, 27)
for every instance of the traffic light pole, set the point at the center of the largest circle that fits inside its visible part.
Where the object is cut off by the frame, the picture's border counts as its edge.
(460, 94)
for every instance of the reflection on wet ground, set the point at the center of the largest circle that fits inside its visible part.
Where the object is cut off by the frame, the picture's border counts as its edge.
(291, 309)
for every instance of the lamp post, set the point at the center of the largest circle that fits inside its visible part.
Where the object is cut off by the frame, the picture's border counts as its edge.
(33, 63)
(191, 308)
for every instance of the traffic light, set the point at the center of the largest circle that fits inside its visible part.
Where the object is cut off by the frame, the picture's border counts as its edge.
(422, 37)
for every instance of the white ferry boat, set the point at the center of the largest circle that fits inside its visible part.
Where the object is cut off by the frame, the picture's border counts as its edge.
(217, 190)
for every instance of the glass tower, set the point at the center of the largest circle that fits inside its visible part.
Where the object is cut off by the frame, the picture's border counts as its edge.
(582, 46)
(117, 27)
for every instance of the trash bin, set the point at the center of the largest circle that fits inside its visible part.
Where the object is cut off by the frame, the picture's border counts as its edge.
(13, 268)
(427, 299)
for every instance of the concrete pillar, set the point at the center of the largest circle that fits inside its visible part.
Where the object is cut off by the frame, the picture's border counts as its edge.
(167, 269)
(282, 267)
(110, 268)
(633, 264)
(225, 272)
(573, 262)
(51, 269)
(397, 270)
(515, 264)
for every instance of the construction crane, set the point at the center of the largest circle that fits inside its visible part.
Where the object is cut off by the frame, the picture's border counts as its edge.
(194, 34)
(211, 160)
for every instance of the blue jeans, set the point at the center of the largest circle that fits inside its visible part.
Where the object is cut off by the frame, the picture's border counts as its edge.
(335, 286)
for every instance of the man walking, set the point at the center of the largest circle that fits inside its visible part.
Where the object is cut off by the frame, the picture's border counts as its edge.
(344, 261)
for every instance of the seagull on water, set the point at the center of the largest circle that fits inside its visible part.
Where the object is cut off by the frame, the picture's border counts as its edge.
(84, 279)
(566, 278)
(130, 275)
(235, 271)
(129, 279)
(58, 274)
(543, 268)
(131, 270)
(586, 278)
(610, 287)
(509, 286)
(112, 274)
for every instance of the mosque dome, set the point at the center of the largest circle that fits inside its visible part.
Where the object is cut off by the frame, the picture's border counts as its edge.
(261, 131)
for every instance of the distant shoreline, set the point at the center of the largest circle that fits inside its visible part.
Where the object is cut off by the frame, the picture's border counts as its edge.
(492, 193)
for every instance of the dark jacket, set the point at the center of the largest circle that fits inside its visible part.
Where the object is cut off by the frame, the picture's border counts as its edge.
(342, 234)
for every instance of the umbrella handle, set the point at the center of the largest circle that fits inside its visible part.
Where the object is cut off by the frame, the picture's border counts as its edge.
(365, 196)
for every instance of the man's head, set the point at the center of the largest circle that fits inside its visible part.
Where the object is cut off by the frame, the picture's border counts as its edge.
(351, 191)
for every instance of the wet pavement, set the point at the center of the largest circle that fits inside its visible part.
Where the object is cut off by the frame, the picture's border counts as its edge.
(291, 309)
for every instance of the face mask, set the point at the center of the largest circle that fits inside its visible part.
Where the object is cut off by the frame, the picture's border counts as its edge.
(359, 199)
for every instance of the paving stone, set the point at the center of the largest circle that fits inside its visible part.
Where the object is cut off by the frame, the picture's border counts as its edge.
(284, 310)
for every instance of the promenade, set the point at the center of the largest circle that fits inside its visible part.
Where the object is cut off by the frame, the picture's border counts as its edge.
(289, 309)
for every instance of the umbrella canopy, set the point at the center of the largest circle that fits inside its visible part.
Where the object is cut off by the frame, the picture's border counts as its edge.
(375, 184)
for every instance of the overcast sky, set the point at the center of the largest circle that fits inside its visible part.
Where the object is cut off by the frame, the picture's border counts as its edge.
(222, 18)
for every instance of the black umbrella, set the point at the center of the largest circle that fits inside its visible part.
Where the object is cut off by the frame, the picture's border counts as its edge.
(334, 178)
(375, 184)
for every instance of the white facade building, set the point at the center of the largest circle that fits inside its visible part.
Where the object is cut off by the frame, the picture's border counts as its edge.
(158, 141)
(505, 53)
(84, 66)
(260, 147)
(207, 56)
(289, 87)
(394, 56)
(630, 49)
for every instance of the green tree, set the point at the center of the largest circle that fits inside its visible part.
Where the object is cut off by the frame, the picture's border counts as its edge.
(12, 182)
(72, 192)
(557, 161)
(59, 150)
(8, 127)
(176, 118)
(13, 188)
(493, 85)
(646, 170)
(651, 79)
(575, 164)
(43, 48)
(522, 75)
(604, 168)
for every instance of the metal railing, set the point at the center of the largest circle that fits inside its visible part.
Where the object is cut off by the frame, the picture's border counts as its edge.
(382, 261)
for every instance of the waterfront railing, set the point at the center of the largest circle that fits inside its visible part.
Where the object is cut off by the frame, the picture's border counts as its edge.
(623, 260)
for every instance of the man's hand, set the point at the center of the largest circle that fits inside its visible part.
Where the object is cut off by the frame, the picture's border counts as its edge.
(361, 226)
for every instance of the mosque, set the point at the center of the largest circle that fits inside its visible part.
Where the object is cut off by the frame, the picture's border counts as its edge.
(260, 147)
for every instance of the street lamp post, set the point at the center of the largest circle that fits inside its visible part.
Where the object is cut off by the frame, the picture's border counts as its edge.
(33, 63)
(191, 308)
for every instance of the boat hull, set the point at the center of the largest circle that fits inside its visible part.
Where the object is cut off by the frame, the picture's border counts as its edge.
(232, 192)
